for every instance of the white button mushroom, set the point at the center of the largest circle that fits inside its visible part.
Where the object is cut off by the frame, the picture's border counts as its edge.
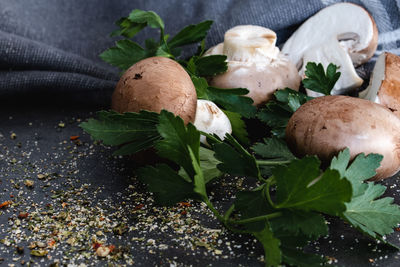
(212, 120)
(384, 86)
(344, 34)
(254, 62)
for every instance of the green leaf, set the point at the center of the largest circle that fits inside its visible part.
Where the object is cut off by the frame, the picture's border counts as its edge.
(301, 186)
(273, 148)
(296, 257)
(148, 18)
(295, 222)
(317, 80)
(277, 113)
(167, 186)
(190, 34)
(124, 55)
(375, 217)
(253, 204)
(273, 254)
(176, 139)
(127, 28)
(362, 168)
(208, 165)
(210, 65)
(233, 100)
(134, 131)
(276, 117)
(235, 159)
(238, 127)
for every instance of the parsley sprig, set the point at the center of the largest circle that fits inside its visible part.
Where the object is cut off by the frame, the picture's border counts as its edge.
(286, 208)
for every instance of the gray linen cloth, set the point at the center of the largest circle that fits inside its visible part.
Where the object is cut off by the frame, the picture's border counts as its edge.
(52, 46)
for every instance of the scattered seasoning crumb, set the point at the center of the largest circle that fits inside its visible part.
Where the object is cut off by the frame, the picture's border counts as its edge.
(29, 183)
(13, 136)
(23, 215)
(5, 204)
(74, 137)
(39, 252)
(103, 251)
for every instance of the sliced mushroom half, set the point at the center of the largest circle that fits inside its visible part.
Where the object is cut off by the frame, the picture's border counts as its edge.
(344, 34)
(384, 86)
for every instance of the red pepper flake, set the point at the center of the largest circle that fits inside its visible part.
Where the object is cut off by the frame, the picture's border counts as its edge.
(51, 242)
(64, 204)
(138, 207)
(111, 247)
(74, 137)
(102, 219)
(11, 196)
(23, 215)
(96, 245)
(184, 212)
(185, 204)
(5, 204)
(397, 229)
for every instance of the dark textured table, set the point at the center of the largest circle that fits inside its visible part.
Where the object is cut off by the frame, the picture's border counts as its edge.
(83, 198)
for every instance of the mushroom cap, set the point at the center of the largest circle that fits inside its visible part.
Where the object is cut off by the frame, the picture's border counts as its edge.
(384, 86)
(262, 80)
(154, 84)
(326, 125)
(345, 31)
(250, 43)
(212, 120)
(254, 62)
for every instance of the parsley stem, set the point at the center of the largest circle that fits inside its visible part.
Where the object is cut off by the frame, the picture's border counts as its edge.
(259, 218)
(213, 209)
(272, 162)
(229, 212)
(266, 190)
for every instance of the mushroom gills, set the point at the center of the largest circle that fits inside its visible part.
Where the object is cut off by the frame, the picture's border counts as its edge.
(377, 77)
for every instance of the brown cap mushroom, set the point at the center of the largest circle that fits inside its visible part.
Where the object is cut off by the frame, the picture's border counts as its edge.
(254, 62)
(344, 34)
(384, 86)
(154, 84)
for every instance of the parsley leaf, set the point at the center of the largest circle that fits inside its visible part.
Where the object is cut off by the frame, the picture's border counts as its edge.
(181, 145)
(295, 222)
(124, 54)
(238, 127)
(253, 204)
(301, 186)
(208, 65)
(177, 139)
(319, 81)
(208, 165)
(136, 21)
(235, 159)
(362, 168)
(133, 131)
(273, 254)
(296, 257)
(274, 149)
(190, 34)
(229, 99)
(375, 217)
(167, 186)
(276, 113)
